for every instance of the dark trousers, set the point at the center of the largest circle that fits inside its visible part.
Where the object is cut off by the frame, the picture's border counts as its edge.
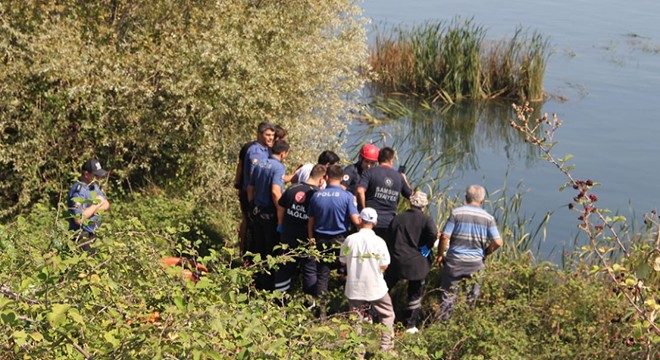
(415, 291)
(85, 238)
(287, 272)
(383, 233)
(449, 285)
(264, 239)
(328, 245)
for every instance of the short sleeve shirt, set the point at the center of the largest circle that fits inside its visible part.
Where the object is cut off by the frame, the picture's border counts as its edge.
(384, 186)
(295, 202)
(254, 154)
(79, 198)
(266, 174)
(469, 229)
(331, 209)
(364, 253)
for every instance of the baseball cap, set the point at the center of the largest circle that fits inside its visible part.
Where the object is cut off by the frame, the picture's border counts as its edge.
(419, 199)
(94, 166)
(369, 215)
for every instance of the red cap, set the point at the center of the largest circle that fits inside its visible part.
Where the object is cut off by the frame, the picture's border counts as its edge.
(370, 152)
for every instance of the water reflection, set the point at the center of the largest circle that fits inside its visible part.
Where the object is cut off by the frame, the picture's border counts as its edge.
(440, 141)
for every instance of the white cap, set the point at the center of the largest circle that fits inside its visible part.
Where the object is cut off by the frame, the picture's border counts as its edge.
(369, 215)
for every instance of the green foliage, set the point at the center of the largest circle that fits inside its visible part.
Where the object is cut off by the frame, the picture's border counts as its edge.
(162, 91)
(59, 302)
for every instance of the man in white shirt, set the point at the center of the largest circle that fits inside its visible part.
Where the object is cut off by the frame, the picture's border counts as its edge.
(366, 257)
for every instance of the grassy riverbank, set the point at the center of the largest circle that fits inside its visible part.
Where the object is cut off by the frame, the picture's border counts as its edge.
(59, 303)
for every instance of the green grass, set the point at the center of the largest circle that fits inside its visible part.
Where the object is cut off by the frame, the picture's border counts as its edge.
(449, 61)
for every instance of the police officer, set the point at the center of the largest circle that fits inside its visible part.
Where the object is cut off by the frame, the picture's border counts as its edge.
(86, 203)
(380, 188)
(264, 192)
(294, 203)
(352, 173)
(251, 153)
(331, 211)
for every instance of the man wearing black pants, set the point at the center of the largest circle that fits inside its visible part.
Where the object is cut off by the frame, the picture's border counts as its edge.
(413, 236)
(380, 188)
(330, 212)
(263, 193)
(294, 204)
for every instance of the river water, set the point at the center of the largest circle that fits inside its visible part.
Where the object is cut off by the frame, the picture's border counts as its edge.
(605, 64)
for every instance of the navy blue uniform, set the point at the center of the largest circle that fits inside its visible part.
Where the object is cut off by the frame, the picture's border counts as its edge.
(331, 209)
(384, 186)
(242, 188)
(254, 154)
(295, 202)
(352, 176)
(266, 174)
(79, 198)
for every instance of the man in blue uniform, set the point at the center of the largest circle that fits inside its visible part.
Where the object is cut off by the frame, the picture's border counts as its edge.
(86, 203)
(264, 192)
(251, 153)
(469, 235)
(331, 211)
(380, 188)
(353, 173)
(294, 204)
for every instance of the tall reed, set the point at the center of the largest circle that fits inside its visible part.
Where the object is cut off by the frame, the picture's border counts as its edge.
(450, 60)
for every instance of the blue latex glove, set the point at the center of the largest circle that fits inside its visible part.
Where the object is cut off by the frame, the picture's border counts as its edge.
(279, 228)
(425, 251)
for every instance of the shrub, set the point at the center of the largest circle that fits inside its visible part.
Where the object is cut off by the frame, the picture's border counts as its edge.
(161, 91)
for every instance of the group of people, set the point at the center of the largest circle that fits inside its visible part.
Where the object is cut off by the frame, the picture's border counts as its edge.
(350, 214)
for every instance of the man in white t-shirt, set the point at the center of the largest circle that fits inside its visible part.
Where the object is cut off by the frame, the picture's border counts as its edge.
(366, 257)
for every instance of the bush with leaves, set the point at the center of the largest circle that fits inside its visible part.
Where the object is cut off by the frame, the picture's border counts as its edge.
(59, 302)
(163, 91)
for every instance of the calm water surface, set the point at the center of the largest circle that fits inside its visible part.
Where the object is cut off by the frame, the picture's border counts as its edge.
(606, 62)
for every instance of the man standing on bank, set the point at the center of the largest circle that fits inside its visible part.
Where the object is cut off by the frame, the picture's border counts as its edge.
(293, 205)
(353, 173)
(468, 237)
(380, 188)
(86, 202)
(331, 211)
(413, 235)
(264, 192)
(250, 155)
(365, 256)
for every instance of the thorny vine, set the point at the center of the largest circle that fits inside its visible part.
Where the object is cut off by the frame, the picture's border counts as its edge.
(541, 132)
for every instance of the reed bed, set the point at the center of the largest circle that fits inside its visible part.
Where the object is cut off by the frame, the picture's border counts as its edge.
(451, 60)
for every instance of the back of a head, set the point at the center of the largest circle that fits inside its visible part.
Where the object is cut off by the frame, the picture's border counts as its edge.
(475, 193)
(385, 155)
(318, 171)
(328, 157)
(280, 146)
(280, 132)
(335, 172)
(265, 125)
